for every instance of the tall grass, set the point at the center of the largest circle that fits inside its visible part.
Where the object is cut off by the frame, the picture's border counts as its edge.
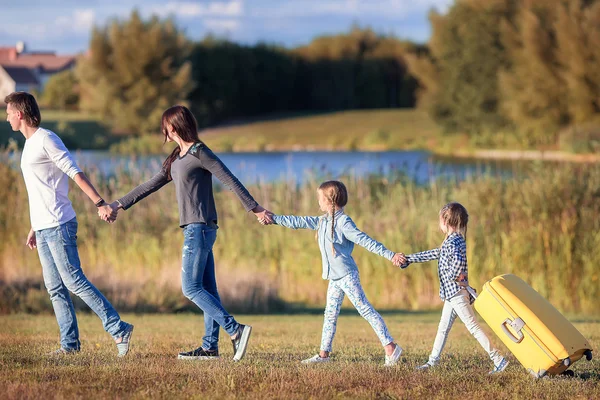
(543, 226)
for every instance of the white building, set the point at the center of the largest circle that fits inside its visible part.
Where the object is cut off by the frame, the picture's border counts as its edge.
(23, 70)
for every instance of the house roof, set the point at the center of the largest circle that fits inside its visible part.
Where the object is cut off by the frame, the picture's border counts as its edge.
(21, 75)
(8, 54)
(47, 62)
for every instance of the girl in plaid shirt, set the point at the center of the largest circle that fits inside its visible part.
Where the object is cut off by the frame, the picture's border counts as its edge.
(453, 274)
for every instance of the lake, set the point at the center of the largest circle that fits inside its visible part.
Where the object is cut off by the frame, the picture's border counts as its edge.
(421, 166)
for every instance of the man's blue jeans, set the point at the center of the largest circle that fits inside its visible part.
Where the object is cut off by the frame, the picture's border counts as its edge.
(199, 284)
(57, 249)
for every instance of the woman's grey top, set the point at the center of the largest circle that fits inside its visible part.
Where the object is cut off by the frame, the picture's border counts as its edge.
(192, 175)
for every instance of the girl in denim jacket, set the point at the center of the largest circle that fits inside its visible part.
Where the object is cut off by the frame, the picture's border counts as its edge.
(453, 275)
(336, 235)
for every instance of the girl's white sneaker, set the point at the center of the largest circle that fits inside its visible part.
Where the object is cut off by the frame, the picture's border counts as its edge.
(393, 359)
(316, 359)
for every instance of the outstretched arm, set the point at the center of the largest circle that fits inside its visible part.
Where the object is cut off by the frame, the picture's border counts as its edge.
(424, 256)
(214, 164)
(352, 233)
(295, 222)
(144, 190)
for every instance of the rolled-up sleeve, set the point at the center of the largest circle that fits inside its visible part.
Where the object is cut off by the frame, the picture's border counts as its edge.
(60, 156)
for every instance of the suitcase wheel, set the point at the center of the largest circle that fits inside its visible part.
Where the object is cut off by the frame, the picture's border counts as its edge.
(567, 362)
(568, 373)
(588, 355)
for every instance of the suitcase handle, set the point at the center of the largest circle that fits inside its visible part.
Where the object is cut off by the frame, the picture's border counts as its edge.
(517, 325)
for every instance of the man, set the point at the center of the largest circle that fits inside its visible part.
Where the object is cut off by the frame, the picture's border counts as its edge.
(46, 165)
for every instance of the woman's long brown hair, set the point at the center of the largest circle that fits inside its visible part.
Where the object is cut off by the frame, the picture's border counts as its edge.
(181, 119)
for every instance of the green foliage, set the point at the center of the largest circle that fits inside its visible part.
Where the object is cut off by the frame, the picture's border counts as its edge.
(355, 70)
(459, 74)
(145, 145)
(552, 79)
(61, 91)
(134, 70)
(521, 65)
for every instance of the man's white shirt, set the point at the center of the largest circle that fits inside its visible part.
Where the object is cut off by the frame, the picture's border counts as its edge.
(47, 166)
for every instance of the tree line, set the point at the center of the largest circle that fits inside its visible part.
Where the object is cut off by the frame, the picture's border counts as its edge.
(134, 69)
(522, 66)
(500, 70)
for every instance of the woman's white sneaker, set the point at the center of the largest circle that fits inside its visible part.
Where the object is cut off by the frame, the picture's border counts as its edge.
(316, 359)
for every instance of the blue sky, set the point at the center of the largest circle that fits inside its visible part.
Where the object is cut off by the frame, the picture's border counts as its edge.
(64, 25)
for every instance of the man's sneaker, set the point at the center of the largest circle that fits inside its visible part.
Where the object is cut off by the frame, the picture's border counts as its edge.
(316, 359)
(500, 367)
(62, 352)
(199, 354)
(240, 343)
(424, 367)
(394, 357)
(123, 345)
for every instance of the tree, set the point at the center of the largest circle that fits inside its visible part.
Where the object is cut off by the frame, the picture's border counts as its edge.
(61, 91)
(553, 78)
(135, 70)
(459, 74)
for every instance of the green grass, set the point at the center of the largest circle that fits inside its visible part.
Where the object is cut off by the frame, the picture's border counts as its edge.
(346, 130)
(342, 131)
(78, 130)
(271, 368)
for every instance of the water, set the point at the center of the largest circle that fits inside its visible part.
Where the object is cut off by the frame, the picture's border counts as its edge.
(250, 168)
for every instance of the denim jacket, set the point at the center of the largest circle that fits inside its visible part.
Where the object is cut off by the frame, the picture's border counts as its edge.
(345, 235)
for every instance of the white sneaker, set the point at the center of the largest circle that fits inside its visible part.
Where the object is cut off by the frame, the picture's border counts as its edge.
(393, 359)
(424, 367)
(500, 367)
(316, 359)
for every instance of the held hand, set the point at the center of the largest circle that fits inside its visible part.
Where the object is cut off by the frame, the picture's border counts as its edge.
(31, 240)
(108, 212)
(399, 260)
(265, 217)
(463, 280)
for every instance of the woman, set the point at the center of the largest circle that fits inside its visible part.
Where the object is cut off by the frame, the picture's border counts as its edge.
(191, 166)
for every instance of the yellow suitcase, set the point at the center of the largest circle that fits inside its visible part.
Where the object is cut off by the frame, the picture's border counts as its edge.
(537, 334)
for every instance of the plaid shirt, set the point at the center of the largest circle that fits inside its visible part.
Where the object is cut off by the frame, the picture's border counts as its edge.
(452, 263)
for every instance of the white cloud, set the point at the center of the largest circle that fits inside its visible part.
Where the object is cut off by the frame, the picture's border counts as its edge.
(78, 23)
(81, 21)
(222, 25)
(358, 8)
(233, 8)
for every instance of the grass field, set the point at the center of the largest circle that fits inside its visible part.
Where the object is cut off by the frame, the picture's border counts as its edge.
(347, 130)
(271, 368)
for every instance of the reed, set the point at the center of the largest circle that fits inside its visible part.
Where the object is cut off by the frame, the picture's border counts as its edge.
(542, 225)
